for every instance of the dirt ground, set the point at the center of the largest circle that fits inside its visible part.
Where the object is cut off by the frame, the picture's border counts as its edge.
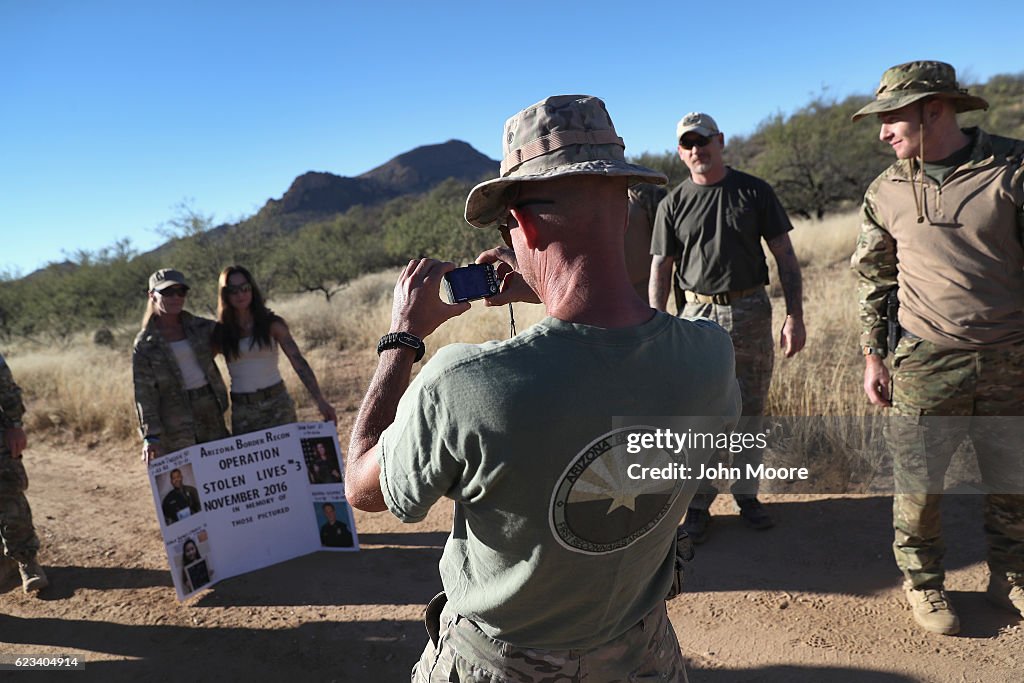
(815, 599)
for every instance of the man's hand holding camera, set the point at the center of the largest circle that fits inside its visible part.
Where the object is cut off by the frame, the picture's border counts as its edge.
(418, 308)
(513, 287)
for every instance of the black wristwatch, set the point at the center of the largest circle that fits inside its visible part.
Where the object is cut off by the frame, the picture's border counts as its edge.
(393, 340)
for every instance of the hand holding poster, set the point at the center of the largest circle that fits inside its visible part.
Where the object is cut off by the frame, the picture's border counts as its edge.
(248, 501)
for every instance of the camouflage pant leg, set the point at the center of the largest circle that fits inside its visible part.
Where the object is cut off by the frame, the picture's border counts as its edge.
(940, 396)
(997, 441)
(16, 530)
(270, 412)
(749, 323)
(647, 651)
(928, 383)
(997, 431)
(208, 419)
(1004, 527)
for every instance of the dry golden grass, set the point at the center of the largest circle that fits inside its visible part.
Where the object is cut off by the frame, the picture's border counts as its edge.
(83, 390)
(87, 389)
(824, 378)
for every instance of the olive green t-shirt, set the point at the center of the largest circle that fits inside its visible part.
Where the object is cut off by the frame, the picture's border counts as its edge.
(553, 544)
(714, 232)
(940, 170)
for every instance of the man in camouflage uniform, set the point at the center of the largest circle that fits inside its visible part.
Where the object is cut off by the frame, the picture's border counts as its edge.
(943, 227)
(559, 563)
(711, 226)
(20, 543)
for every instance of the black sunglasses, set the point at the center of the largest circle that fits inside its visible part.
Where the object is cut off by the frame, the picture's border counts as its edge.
(173, 291)
(698, 141)
(238, 289)
(508, 222)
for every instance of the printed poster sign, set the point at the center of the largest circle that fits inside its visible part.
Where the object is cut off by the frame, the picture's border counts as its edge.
(249, 501)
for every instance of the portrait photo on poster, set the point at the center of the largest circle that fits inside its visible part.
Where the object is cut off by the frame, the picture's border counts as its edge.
(334, 517)
(191, 557)
(322, 461)
(178, 495)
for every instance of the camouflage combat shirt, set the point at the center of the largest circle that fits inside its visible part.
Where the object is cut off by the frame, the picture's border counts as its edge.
(161, 401)
(960, 272)
(11, 407)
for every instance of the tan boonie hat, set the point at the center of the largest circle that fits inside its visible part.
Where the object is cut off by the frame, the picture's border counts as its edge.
(559, 136)
(164, 278)
(696, 122)
(904, 84)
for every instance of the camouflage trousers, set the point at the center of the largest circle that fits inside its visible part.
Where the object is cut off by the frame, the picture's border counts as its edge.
(261, 410)
(16, 530)
(460, 651)
(749, 323)
(940, 397)
(207, 424)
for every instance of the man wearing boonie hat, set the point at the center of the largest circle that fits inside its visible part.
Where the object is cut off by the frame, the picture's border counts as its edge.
(560, 560)
(951, 208)
(710, 227)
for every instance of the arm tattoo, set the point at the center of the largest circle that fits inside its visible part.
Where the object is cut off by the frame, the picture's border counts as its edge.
(660, 282)
(302, 369)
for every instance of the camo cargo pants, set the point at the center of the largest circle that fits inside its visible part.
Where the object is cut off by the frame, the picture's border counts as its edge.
(942, 395)
(749, 323)
(460, 651)
(16, 531)
(253, 412)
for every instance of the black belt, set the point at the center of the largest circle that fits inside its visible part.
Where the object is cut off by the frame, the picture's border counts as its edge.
(193, 394)
(260, 395)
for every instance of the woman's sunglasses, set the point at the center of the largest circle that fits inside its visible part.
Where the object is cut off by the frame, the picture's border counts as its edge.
(238, 289)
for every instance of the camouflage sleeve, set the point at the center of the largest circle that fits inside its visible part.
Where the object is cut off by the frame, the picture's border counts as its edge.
(12, 410)
(147, 396)
(874, 261)
(647, 196)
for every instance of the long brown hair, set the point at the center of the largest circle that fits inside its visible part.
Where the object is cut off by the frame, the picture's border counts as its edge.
(228, 332)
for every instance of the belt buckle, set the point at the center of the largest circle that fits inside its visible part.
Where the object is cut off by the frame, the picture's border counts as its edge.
(720, 299)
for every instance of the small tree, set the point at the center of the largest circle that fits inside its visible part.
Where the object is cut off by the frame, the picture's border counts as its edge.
(817, 159)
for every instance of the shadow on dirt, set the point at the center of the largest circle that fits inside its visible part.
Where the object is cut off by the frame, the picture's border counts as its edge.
(323, 651)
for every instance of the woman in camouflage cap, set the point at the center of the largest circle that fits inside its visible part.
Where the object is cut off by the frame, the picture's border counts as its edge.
(179, 394)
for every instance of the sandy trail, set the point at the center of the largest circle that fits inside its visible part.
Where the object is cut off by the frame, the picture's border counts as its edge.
(815, 599)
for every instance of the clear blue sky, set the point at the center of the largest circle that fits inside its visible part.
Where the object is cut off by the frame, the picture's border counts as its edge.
(114, 111)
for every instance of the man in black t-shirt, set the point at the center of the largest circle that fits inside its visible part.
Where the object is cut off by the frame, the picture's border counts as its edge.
(710, 227)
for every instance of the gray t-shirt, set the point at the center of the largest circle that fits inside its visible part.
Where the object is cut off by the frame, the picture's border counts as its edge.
(714, 232)
(554, 545)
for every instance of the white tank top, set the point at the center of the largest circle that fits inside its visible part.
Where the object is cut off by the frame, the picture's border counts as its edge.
(255, 368)
(191, 373)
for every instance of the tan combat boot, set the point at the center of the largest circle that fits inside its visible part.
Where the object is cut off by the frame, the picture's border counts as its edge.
(33, 578)
(932, 609)
(1004, 594)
